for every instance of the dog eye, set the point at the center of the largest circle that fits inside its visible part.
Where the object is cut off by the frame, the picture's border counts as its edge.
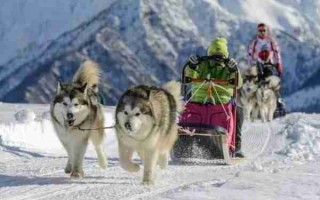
(138, 114)
(64, 103)
(76, 104)
(125, 112)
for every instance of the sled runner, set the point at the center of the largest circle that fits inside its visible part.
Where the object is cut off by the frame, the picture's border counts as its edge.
(207, 131)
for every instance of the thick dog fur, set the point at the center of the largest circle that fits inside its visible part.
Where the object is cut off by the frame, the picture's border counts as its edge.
(247, 94)
(146, 124)
(75, 106)
(266, 98)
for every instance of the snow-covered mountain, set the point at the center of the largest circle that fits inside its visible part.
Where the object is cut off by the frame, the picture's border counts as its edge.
(147, 41)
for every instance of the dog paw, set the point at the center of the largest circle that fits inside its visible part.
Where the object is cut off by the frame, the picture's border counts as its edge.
(134, 168)
(130, 167)
(103, 164)
(147, 182)
(67, 169)
(76, 174)
(163, 165)
(163, 161)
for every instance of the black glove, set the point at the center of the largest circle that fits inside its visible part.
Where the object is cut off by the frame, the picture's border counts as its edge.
(187, 79)
(194, 59)
(232, 64)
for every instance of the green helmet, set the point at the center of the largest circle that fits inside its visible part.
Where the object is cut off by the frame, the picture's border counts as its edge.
(218, 46)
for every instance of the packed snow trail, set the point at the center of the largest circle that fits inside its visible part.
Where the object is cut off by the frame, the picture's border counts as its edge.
(28, 172)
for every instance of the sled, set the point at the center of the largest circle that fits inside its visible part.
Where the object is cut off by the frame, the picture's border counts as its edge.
(207, 131)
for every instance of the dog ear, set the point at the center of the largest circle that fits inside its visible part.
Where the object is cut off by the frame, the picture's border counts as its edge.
(274, 83)
(264, 83)
(60, 87)
(95, 88)
(94, 99)
(268, 84)
(155, 99)
(84, 88)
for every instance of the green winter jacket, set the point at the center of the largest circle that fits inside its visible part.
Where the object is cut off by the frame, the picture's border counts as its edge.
(213, 69)
(210, 69)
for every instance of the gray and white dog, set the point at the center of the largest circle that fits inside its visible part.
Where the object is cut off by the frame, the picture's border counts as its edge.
(266, 97)
(75, 106)
(247, 94)
(146, 124)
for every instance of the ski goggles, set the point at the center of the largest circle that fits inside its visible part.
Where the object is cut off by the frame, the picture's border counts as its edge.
(263, 30)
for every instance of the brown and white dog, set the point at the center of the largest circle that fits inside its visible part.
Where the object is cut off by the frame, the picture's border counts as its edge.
(146, 123)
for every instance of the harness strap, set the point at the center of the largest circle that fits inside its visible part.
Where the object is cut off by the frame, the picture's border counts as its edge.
(226, 113)
(195, 92)
(100, 128)
(211, 86)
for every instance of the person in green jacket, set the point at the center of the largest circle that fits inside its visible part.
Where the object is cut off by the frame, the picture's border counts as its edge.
(219, 67)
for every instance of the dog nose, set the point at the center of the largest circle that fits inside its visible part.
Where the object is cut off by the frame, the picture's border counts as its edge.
(69, 115)
(127, 125)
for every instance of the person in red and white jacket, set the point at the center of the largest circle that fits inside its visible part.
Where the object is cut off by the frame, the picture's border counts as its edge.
(263, 51)
(264, 42)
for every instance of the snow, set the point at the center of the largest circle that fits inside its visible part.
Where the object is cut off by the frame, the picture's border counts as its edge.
(282, 163)
(34, 131)
(25, 115)
(272, 13)
(303, 140)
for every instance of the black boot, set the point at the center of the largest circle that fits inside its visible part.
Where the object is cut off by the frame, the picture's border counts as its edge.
(238, 152)
(280, 103)
(281, 110)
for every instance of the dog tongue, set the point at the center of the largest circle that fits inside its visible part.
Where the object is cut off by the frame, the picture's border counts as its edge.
(70, 122)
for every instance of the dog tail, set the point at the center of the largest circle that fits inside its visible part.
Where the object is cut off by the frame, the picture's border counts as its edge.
(88, 73)
(174, 88)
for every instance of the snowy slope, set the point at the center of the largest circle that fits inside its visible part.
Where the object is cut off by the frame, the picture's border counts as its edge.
(146, 41)
(283, 160)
